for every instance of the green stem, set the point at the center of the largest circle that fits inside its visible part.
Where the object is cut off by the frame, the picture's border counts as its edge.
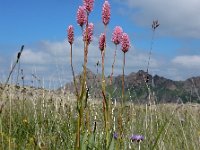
(103, 56)
(78, 103)
(1, 130)
(74, 79)
(83, 90)
(120, 117)
(78, 133)
(105, 102)
(85, 61)
(123, 83)
(113, 64)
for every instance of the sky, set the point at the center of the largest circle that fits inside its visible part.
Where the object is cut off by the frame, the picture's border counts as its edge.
(41, 25)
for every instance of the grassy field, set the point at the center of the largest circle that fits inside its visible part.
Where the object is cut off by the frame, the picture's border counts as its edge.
(41, 119)
(36, 118)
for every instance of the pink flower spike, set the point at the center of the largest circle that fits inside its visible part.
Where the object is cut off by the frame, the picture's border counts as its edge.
(106, 12)
(81, 16)
(102, 41)
(89, 30)
(125, 42)
(70, 32)
(117, 35)
(89, 4)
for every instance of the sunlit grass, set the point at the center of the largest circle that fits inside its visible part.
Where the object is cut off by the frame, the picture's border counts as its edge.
(46, 120)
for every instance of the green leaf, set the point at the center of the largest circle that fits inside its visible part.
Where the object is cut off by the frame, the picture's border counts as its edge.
(91, 143)
(112, 144)
(84, 142)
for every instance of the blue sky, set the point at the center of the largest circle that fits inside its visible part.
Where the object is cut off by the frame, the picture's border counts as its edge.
(41, 27)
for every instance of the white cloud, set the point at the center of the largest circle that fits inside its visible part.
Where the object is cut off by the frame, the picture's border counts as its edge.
(188, 61)
(140, 60)
(178, 18)
(46, 53)
(52, 61)
(30, 56)
(53, 58)
(57, 48)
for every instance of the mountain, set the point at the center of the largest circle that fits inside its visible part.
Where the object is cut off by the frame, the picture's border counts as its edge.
(138, 86)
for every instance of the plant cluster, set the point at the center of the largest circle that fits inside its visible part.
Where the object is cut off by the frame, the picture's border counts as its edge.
(118, 37)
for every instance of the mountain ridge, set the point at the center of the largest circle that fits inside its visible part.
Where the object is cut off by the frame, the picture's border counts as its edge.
(136, 90)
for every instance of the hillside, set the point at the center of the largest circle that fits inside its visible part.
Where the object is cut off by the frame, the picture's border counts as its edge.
(162, 89)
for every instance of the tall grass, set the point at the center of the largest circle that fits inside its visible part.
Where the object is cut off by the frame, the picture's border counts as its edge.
(46, 120)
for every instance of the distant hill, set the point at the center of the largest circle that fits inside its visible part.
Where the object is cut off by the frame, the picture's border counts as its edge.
(136, 88)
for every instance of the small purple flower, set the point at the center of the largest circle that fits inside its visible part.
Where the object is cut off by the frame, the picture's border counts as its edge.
(137, 138)
(115, 135)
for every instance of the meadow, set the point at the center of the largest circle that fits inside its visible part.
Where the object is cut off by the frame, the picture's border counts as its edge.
(41, 119)
(37, 118)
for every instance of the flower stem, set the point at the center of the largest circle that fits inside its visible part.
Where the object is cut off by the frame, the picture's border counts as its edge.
(83, 91)
(105, 101)
(139, 146)
(120, 116)
(74, 79)
(103, 56)
(122, 101)
(113, 64)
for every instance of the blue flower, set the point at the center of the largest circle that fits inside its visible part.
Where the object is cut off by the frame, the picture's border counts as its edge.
(137, 138)
(115, 135)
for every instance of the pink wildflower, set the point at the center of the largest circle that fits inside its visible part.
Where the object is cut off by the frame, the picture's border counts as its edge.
(88, 5)
(89, 34)
(70, 32)
(125, 42)
(106, 12)
(81, 16)
(117, 35)
(102, 41)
